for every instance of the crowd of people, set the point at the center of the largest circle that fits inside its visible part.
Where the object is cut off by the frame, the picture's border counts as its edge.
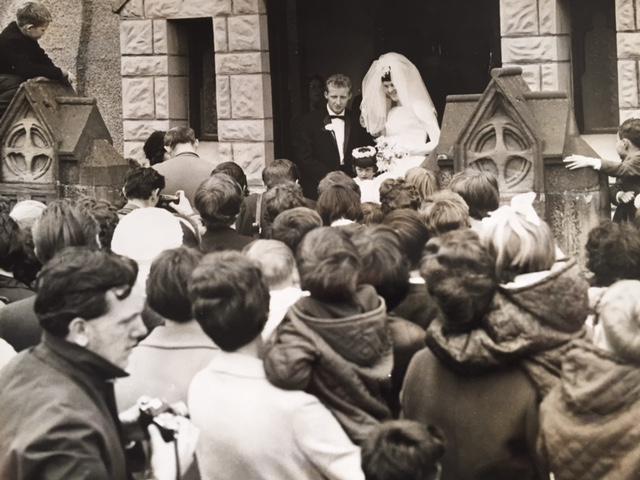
(435, 334)
(344, 323)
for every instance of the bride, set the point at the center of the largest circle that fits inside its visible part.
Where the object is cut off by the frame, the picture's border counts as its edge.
(397, 109)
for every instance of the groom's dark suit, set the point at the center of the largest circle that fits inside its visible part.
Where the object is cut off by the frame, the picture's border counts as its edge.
(316, 151)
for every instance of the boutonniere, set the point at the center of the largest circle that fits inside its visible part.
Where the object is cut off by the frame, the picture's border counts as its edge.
(329, 127)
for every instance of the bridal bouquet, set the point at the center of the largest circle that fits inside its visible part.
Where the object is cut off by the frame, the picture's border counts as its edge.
(388, 153)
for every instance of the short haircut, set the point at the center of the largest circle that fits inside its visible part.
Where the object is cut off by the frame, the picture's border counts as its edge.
(630, 130)
(521, 245)
(397, 193)
(382, 263)
(613, 252)
(33, 13)
(328, 263)
(235, 171)
(177, 135)
(218, 200)
(339, 201)
(63, 224)
(479, 189)
(337, 80)
(274, 258)
(279, 171)
(140, 182)
(229, 298)
(11, 243)
(424, 181)
(278, 199)
(411, 231)
(74, 283)
(105, 213)
(154, 147)
(168, 283)
(337, 177)
(460, 274)
(443, 212)
(292, 225)
(402, 450)
(371, 213)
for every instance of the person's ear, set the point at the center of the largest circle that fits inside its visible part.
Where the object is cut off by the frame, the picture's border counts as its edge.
(79, 332)
(196, 143)
(326, 95)
(155, 196)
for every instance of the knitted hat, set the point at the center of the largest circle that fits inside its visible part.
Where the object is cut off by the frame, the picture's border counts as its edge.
(26, 212)
(619, 314)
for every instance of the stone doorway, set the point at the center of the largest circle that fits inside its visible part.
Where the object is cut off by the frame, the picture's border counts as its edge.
(454, 44)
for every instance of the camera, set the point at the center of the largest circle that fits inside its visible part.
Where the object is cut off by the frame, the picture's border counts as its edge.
(162, 415)
(165, 200)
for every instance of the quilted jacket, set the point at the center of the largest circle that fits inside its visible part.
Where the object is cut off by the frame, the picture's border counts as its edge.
(590, 424)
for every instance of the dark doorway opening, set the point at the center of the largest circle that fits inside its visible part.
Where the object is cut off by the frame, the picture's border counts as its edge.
(595, 65)
(453, 43)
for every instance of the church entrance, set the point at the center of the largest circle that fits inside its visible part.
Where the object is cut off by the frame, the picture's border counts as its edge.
(453, 43)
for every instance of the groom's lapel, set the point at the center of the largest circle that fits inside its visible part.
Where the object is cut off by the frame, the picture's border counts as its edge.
(327, 121)
(347, 132)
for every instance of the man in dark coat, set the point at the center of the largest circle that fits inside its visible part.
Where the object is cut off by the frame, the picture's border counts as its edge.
(21, 57)
(58, 416)
(324, 139)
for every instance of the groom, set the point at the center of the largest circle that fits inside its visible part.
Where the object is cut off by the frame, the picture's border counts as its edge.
(324, 139)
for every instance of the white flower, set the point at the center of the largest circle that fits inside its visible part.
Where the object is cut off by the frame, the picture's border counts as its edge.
(364, 152)
(329, 127)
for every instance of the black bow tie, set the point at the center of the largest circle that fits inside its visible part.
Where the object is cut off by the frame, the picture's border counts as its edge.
(339, 117)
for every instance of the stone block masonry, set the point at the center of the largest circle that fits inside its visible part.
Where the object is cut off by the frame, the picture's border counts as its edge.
(628, 40)
(155, 70)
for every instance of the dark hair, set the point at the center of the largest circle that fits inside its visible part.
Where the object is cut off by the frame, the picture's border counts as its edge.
(154, 147)
(613, 253)
(328, 263)
(366, 162)
(402, 450)
(411, 231)
(630, 130)
(234, 171)
(74, 283)
(229, 299)
(339, 201)
(218, 200)
(479, 189)
(337, 80)
(63, 224)
(140, 182)
(460, 274)
(292, 225)
(278, 199)
(105, 213)
(337, 177)
(397, 193)
(382, 263)
(177, 135)
(33, 13)
(11, 243)
(279, 171)
(371, 213)
(168, 283)
(444, 211)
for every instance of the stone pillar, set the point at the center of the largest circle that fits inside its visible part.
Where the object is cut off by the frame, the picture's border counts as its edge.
(628, 28)
(155, 75)
(243, 87)
(536, 37)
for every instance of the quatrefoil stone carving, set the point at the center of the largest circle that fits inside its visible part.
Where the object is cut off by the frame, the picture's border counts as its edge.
(27, 152)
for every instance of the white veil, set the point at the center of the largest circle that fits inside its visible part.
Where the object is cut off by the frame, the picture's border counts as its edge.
(411, 92)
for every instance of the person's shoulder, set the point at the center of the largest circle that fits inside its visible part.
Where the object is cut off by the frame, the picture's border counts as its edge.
(11, 33)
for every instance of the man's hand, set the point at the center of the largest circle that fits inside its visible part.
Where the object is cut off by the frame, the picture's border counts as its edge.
(70, 77)
(182, 206)
(636, 201)
(38, 79)
(163, 457)
(573, 162)
(626, 197)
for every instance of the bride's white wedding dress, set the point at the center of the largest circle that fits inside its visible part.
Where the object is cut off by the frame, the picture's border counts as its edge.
(405, 126)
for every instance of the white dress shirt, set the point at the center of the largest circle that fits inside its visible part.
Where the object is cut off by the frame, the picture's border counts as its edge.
(338, 130)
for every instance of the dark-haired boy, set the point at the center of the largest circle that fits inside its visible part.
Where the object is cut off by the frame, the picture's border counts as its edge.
(21, 57)
(624, 193)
